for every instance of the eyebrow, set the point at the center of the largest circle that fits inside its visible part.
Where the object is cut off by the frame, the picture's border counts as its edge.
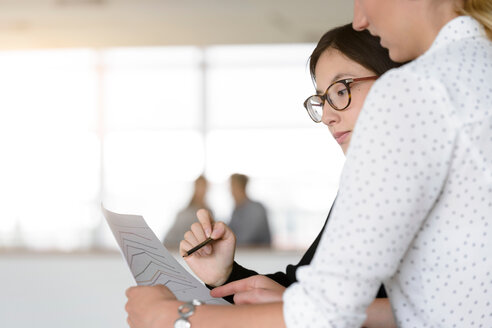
(337, 77)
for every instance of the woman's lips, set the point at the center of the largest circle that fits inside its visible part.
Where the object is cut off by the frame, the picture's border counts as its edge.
(340, 137)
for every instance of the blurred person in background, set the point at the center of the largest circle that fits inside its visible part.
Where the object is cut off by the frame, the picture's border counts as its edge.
(187, 216)
(249, 220)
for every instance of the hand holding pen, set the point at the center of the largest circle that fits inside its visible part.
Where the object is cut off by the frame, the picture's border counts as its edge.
(208, 249)
(199, 246)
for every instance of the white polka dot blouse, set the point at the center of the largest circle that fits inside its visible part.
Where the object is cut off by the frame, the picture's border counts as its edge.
(414, 210)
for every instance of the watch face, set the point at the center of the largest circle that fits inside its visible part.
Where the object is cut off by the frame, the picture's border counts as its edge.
(182, 323)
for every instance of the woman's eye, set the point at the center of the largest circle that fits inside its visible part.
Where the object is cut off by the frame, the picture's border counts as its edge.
(342, 92)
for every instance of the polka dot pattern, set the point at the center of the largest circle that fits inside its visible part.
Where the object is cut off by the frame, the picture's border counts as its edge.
(414, 210)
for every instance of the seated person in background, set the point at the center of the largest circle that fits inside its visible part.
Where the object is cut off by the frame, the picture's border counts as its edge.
(187, 216)
(249, 220)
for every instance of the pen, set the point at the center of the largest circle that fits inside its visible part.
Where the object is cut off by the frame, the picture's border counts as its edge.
(197, 247)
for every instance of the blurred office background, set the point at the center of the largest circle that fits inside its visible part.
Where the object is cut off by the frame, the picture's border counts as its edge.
(126, 102)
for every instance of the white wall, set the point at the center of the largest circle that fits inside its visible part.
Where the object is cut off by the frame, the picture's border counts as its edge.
(84, 290)
(31, 24)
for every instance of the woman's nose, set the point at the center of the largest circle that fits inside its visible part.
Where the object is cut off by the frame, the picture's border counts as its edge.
(359, 22)
(330, 116)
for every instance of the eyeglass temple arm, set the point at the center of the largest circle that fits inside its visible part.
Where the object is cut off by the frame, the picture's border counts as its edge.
(365, 78)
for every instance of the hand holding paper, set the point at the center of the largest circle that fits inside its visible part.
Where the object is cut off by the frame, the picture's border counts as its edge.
(150, 262)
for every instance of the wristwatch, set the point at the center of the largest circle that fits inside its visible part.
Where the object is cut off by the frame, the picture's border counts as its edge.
(185, 311)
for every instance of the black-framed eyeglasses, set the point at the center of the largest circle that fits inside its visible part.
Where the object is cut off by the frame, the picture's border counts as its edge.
(337, 95)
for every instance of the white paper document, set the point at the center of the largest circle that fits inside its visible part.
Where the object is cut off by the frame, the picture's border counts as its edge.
(151, 263)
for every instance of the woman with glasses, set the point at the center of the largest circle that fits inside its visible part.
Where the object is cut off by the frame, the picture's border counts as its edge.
(343, 66)
(413, 208)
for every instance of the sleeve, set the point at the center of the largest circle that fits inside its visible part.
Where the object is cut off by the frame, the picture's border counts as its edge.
(395, 169)
(283, 278)
(238, 272)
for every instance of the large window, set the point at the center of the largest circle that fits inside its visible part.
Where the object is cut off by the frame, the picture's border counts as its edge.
(133, 127)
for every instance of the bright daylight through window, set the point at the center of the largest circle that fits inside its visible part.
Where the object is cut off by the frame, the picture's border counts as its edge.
(133, 127)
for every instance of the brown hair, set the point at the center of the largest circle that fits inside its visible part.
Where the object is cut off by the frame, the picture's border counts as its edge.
(195, 199)
(359, 46)
(240, 179)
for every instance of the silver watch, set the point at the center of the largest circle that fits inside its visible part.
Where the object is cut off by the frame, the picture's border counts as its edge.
(185, 311)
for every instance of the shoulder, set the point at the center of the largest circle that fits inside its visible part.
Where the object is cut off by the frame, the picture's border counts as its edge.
(450, 82)
(406, 90)
(187, 213)
(256, 206)
(404, 106)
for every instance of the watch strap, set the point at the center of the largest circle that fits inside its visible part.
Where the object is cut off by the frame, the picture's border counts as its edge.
(185, 311)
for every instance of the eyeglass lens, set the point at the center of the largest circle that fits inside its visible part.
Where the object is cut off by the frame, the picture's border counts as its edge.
(337, 96)
(315, 108)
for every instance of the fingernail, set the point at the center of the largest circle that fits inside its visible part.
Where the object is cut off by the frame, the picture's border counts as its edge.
(208, 249)
(208, 232)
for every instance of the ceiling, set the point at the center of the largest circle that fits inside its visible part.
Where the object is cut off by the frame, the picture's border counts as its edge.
(30, 24)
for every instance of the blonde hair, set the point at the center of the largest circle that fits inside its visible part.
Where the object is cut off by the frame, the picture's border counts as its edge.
(481, 10)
